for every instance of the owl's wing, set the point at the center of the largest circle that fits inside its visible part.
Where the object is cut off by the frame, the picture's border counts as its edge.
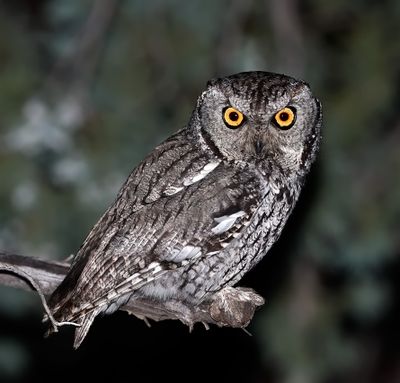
(170, 167)
(177, 206)
(172, 232)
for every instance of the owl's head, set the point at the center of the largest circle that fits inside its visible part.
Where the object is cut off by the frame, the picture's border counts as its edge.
(261, 118)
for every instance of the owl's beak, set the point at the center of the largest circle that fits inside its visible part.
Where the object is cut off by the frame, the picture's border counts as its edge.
(259, 146)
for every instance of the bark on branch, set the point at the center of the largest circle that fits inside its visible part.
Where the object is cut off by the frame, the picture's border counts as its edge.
(232, 307)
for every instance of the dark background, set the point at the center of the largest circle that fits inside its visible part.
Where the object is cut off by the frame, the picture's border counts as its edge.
(87, 88)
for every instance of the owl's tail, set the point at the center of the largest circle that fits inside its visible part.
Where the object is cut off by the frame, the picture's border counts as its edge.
(62, 316)
(61, 311)
(81, 328)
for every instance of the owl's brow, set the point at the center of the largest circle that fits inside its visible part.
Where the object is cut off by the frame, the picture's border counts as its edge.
(298, 88)
(257, 95)
(264, 92)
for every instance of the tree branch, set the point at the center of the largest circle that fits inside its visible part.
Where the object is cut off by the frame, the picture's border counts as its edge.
(232, 307)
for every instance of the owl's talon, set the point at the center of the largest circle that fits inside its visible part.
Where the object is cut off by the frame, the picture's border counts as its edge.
(206, 326)
(145, 320)
(247, 331)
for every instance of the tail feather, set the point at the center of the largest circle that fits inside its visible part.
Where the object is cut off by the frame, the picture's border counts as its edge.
(65, 305)
(82, 321)
(82, 330)
(63, 313)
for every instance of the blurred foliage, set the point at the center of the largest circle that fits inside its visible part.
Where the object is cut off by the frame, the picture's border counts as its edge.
(89, 87)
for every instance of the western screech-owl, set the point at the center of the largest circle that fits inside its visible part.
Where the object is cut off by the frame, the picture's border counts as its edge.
(204, 206)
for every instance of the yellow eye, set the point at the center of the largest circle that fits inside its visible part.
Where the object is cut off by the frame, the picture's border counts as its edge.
(232, 117)
(285, 118)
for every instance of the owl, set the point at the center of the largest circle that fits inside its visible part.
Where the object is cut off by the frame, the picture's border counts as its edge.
(204, 206)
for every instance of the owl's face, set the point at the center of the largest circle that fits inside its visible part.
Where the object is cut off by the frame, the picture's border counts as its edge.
(261, 118)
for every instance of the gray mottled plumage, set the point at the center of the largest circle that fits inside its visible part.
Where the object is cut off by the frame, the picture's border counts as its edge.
(203, 207)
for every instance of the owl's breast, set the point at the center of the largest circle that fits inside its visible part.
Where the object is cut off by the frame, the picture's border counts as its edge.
(260, 232)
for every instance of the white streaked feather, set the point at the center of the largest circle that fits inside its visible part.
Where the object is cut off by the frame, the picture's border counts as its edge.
(208, 168)
(133, 282)
(226, 222)
(120, 301)
(187, 252)
(154, 265)
(213, 252)
(171, 190)
(274, 188)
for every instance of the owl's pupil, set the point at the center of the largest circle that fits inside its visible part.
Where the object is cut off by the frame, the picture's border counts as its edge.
(233, 116)
(284, 116)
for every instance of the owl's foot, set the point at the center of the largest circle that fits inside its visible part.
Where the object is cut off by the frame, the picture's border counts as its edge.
(234, 307)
